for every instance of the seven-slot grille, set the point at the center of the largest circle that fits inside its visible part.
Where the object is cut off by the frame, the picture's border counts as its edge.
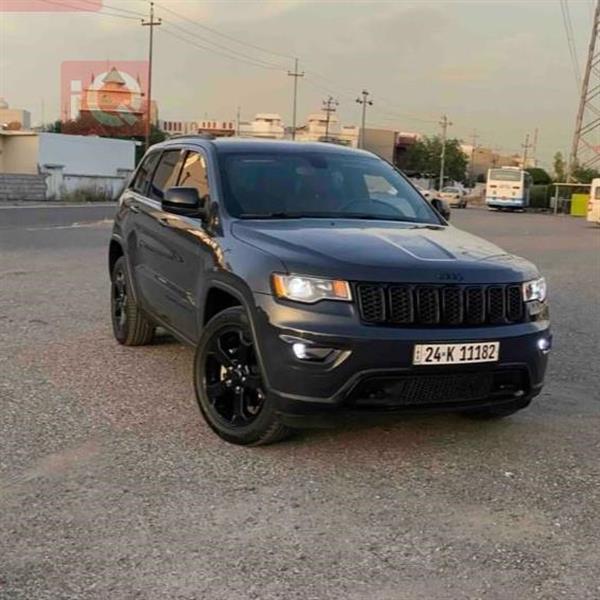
(451, 305)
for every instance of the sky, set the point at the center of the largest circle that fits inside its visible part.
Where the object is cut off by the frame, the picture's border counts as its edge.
(500, 68)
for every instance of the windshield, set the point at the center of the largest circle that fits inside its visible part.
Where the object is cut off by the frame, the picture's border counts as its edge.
(450, 190)
(505, 175)
(302, 184)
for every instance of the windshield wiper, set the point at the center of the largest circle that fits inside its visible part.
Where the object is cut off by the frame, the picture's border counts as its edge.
(320, 215)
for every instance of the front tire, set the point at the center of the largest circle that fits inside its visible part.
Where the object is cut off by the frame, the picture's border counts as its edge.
(130, 326)
(229, 384)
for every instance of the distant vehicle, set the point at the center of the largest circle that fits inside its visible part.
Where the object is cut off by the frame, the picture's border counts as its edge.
(441, 205)
(593, 211)
(507, 187)
(455, 196)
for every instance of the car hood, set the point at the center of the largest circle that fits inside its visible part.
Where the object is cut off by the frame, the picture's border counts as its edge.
(383, 251)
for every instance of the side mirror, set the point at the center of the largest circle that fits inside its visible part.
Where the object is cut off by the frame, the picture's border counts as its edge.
(185, 201)
(441, 207)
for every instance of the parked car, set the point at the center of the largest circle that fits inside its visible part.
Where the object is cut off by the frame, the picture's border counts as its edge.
(441, 205)
(455, 196)
(314, 281)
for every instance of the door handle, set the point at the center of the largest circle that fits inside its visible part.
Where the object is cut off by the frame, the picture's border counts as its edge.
(163, 221)
(134, 209)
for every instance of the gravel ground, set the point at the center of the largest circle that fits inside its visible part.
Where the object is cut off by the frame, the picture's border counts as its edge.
(111, 485)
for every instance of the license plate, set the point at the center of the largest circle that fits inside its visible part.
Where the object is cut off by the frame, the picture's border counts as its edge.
(453, 354)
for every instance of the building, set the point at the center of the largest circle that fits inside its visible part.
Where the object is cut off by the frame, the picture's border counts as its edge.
(481, 159)
(264, 125)
(41, 166)
(14, 118)
(216, 127)
(318, 129)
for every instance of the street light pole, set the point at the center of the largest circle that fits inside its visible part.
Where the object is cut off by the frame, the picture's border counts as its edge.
(364, 101)
(445, 124)
(295, 74)
(152, 24)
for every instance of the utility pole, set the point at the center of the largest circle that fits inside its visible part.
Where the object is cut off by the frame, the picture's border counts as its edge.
(364, 101)
(474, 138)
(237, 122)
(295, 74)
(444, 124)
(328, 108)
(152, 24)
(585, 151)
(525, 147)
(534, 145)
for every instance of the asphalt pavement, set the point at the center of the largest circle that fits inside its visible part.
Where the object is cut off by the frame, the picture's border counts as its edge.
(112, 486)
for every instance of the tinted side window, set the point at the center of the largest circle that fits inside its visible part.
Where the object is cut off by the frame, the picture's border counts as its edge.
(140, 183)
(194, 173)
(166, 173)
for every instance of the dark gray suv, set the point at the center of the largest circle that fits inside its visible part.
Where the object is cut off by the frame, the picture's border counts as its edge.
(314, 281)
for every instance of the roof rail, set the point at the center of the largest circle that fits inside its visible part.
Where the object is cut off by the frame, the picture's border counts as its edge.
(202, 136)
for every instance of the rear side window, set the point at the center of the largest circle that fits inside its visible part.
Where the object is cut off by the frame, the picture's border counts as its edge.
(166, 173)
(194, 174)
(142, 177)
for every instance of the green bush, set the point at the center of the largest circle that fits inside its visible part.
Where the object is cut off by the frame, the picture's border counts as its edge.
(539, 196)
(82, 195)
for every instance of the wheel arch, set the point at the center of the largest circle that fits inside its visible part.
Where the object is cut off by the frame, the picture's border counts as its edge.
(218, 289)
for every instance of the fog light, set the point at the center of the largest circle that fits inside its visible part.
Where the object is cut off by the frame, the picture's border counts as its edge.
(299, 350)
(312, 353)
(544, 345)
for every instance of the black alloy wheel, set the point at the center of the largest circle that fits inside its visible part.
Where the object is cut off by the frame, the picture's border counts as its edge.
(230, 387)
(232, 379)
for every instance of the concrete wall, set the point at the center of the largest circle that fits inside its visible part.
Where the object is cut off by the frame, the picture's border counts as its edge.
(380, 141)
(93, 165)
(14, 186)
(86, 155)
(18, 153)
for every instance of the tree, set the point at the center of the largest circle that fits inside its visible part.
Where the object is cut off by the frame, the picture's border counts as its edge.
(584, 174)
(539, 176)
(424, 157)
(559, 167)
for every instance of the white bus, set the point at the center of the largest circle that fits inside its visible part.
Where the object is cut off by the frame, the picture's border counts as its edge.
(507, 187)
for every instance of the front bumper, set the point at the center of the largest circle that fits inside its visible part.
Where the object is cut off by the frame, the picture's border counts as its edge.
(372, 370)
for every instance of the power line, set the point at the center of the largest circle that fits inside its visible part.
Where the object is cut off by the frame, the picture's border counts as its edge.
(102, 13)
(564, 7)
(196, 44)
(223, 35)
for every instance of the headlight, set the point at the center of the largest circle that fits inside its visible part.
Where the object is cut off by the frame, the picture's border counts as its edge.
(535, 290)
(310, 289)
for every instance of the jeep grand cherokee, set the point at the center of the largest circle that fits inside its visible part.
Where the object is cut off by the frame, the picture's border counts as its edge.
(315, 281)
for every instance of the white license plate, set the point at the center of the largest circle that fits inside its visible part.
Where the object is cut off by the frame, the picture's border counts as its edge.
(453, 354)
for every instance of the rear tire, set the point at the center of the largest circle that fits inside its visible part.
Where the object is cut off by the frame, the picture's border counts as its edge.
(130, 326)
(229, 384)
(496, 412)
